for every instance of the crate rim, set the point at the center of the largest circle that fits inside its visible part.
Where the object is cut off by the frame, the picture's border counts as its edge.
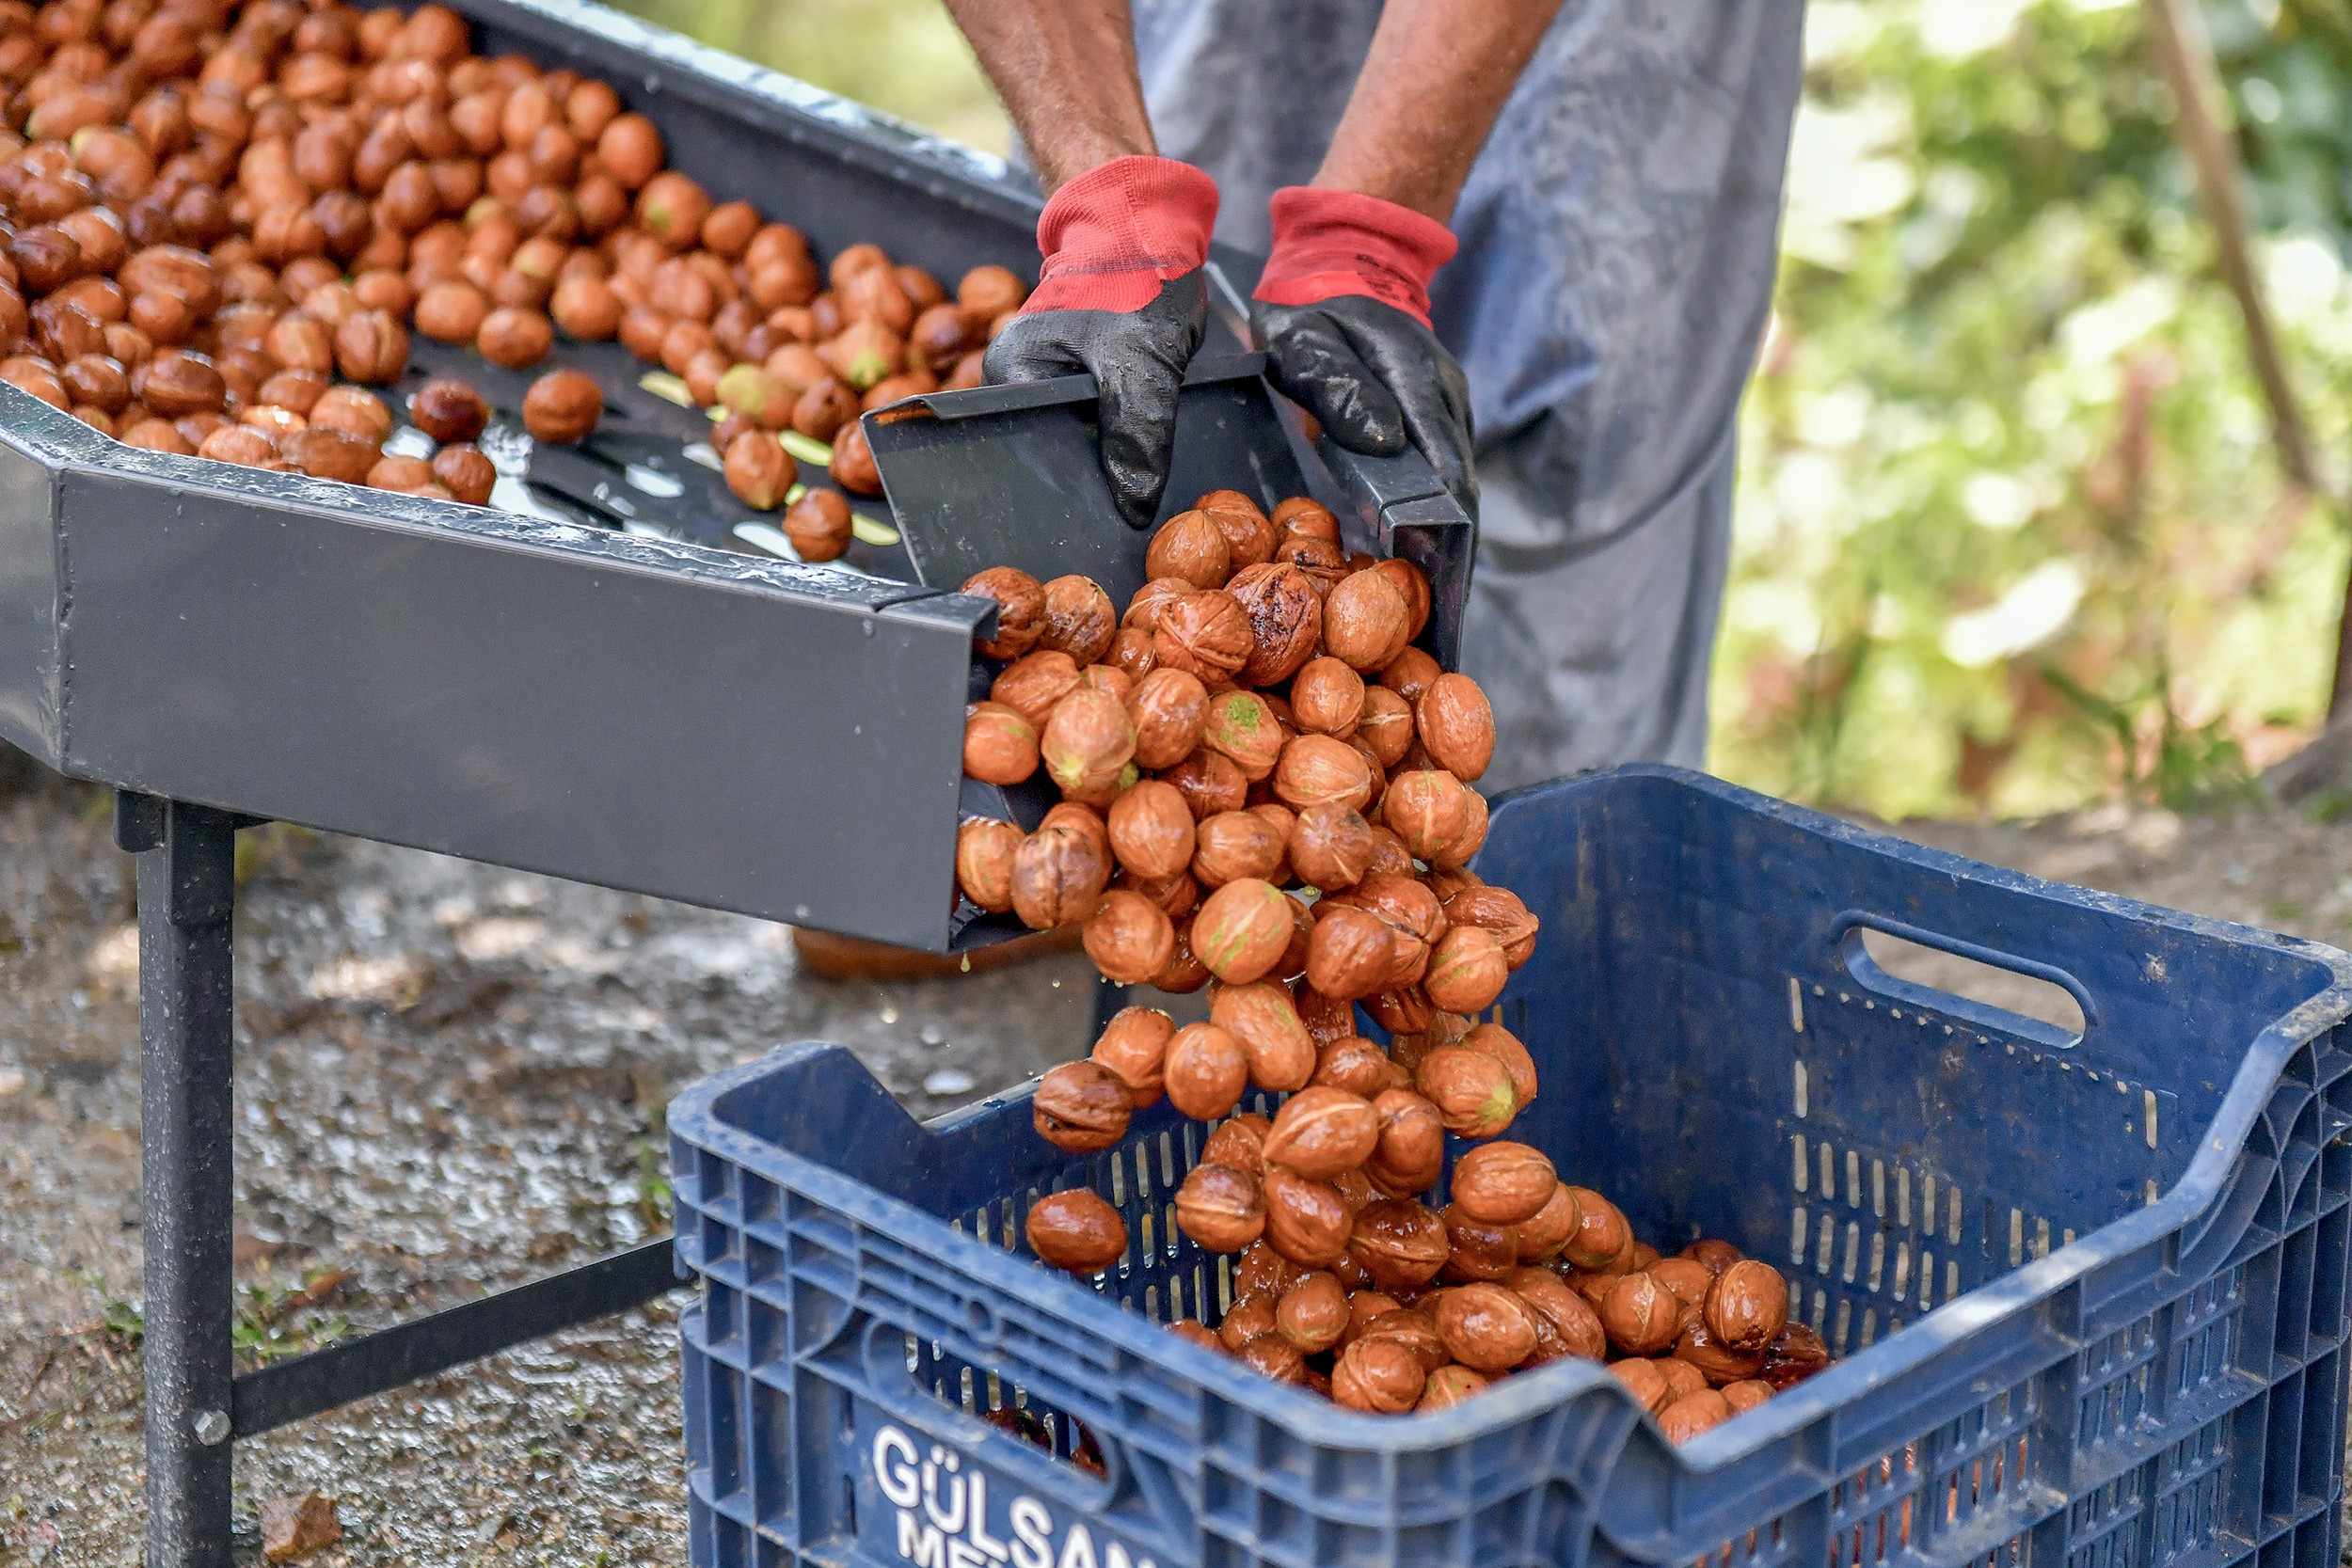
(1514, 1399)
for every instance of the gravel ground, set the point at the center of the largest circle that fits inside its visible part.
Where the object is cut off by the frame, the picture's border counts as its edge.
(449, 1078)
(452, 1078)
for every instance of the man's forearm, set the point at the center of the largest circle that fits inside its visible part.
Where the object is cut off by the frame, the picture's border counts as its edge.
(1433, 82)
(1066, 70)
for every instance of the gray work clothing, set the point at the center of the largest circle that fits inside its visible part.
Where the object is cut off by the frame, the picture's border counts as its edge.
(1618, 238)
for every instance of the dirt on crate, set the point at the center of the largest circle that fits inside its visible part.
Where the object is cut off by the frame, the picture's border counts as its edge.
(452, 1078)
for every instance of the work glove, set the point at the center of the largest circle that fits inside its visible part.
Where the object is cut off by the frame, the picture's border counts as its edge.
(1343, 312)
(1120, 294)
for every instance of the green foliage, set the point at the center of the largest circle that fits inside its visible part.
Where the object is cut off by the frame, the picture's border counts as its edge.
(2012, 533)
(274, 1320)
(905, 57)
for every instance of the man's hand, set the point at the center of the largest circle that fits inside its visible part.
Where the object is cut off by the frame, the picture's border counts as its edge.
(1344, 306)
(1343, 310)
(1119, 295)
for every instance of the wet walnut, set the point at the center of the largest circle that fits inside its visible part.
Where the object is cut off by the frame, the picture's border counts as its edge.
(1321, 1132)
(1191, 547)
(373, 346)
(1248, 533)
(1503, 1183)
(1239, 1143)
(1152, 832)
(448, 410)
(1330, 846)
(1400, 1244)
(1219, 1208)
(1470, 1089)
(1429, 809)
(1203, 632)
(1365, 621)
(1078, 619)
(1261, 1016)
(1747, 1306)
(1312, 1313)
(818, 525)
(984, 851)
(1020, 611)
(1316, 770)
(1087, 741)
(1130, 939)
(466, 473)
(1380, 1376)
(1500, 913)
(1230, 846)
(999, 744)
(1541, 1237)
(1307, 1221)
(1058, 874)
(1466, 971)
(1327, 698)
(1170, 709)
(1243, 725)
(1693, 1414)
(1285, 621)
(565, 405)
(1081, 1107)
(1076, 1231)
(1242, 929)
(1350, 952)
(1487, 1326)
(1133, 1047)
(1457, 725)
(1204, 1071)
(1035, 683)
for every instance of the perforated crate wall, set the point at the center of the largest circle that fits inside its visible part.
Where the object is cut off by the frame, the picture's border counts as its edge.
(2091, 1293)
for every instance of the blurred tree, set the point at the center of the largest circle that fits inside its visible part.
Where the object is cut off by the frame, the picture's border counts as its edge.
(905, 57)
(2012, 533)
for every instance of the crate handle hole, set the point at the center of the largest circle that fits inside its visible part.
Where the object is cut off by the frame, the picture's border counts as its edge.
(980, 1321)
(1925, 968)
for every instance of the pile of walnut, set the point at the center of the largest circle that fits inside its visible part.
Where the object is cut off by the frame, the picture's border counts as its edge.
(1266, 789)
(212, 210)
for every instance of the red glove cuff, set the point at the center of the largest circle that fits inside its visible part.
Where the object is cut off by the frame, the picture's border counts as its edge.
(1116, 233)
(1330, 243)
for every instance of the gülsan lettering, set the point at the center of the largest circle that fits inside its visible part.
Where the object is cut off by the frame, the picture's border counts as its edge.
(989, 1544)
(1032, 1534)
(942, 1516)
(894, 1468)
(927, 1550)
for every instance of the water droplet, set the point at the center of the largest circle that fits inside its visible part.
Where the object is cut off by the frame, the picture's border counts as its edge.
(889, 1014)
(932, 1034)
(653, 482)
(948, 1081)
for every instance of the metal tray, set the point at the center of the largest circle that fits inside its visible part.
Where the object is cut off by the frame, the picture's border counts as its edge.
(604, 681)
(673, 715)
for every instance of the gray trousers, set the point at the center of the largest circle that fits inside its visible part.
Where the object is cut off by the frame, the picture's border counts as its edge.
(1618, 234)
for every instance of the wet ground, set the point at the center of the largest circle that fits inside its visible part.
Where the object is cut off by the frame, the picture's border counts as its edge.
(452, 1078)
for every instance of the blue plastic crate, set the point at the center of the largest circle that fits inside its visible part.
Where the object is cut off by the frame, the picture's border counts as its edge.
(2091, 1293)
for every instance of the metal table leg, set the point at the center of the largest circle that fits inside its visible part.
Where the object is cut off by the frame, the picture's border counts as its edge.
(196, 1404)
(187, 891)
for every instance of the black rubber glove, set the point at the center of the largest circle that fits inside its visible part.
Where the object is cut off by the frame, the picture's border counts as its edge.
(1138, 358)
(1378, 380)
